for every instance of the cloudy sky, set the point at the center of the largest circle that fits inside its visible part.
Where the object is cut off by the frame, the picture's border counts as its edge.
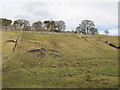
(103, 13)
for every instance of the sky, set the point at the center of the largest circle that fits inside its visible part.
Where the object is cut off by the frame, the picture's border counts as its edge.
(103, 13)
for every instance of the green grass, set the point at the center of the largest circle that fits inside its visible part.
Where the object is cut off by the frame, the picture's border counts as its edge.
(86, 62)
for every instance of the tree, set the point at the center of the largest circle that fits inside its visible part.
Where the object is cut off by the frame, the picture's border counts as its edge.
(47, 24)
(80, 28)
(21, 24)
(60, 25)
(87, 24)
(5, 23)
(54, 25)
(0, 24)
(38, 25)
(93, 31)
(106, 32)
(27, 28)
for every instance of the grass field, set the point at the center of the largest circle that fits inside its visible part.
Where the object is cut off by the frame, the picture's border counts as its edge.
(43, 60)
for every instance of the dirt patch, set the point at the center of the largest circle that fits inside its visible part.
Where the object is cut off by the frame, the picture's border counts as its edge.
(43, 52)
(11, 41)
(37, 50)
(112, 45)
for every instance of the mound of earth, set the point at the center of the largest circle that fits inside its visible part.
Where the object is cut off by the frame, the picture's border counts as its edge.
(43, 52)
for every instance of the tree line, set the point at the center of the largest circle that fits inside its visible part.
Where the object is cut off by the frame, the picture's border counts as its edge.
(85, 27)
(22, 24)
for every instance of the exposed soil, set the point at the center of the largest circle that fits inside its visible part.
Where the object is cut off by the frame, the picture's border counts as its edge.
(11, 41)
(43, 52)
(112, 45)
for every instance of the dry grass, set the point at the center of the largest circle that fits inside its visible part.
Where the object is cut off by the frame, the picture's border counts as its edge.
(87, 62)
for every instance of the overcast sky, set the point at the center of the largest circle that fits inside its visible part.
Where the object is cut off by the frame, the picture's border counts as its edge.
(104, 14)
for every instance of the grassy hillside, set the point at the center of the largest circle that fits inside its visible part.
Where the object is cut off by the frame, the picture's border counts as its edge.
(43, 60)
